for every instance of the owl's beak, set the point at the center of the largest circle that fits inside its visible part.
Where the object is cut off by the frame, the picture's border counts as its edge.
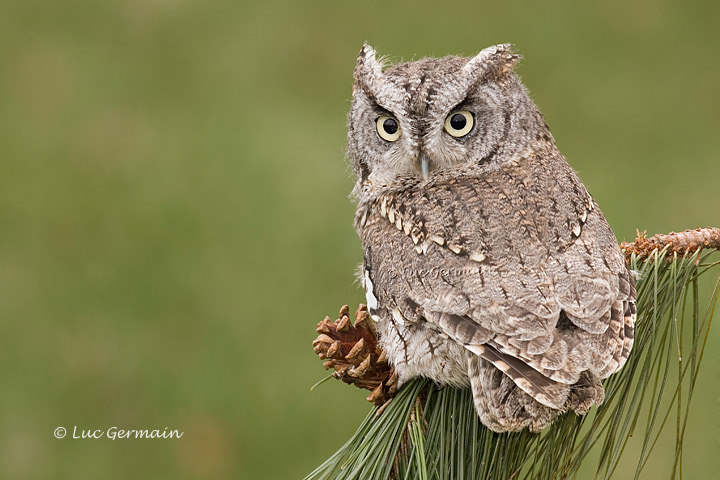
(424, 165)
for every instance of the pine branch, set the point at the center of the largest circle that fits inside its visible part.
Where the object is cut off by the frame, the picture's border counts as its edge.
(682, 243)
(427, 432)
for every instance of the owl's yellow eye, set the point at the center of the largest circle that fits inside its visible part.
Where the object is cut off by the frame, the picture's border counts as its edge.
(458, 124)
(388, 128)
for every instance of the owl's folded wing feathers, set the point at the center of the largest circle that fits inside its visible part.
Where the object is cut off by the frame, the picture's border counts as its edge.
(530, 279)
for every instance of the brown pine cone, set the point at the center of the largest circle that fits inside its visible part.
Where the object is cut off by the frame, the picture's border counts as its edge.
(353, 352)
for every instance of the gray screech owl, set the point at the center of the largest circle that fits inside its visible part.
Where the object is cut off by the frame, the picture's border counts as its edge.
(486, 261)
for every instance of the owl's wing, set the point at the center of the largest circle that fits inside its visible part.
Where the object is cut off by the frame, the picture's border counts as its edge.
(518, 266)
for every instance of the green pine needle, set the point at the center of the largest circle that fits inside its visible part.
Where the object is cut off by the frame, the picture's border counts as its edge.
(428, 432)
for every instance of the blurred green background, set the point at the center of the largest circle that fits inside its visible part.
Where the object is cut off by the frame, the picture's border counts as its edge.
(174, 216)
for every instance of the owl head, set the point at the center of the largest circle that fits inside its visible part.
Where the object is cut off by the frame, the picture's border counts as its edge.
(417, 121)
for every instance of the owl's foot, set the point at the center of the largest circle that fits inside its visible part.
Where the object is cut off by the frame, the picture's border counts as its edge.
(353, 352)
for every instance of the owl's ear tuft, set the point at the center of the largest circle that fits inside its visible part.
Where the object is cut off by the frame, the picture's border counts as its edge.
(366, 52)
(367, 68)
(496, 61)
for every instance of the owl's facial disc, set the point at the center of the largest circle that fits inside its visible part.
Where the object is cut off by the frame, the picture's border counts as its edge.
(413, 120)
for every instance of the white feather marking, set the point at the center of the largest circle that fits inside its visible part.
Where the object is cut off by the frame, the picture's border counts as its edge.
(439, 240)
(476, 349)
(383, 207)
(502, 366)
(576, 230)
(528, 386)
(415, 235)
(477, 256)
(455, 248)
(397, 316)
(372, 302)
(363, 220)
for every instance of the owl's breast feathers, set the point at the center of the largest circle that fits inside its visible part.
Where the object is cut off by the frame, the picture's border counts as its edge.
(517, 264)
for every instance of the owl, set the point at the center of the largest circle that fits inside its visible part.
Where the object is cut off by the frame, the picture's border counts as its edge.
(486, 262)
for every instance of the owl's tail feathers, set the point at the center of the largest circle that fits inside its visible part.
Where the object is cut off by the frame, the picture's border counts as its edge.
(509, 395)
(501, 405)
(546, 391)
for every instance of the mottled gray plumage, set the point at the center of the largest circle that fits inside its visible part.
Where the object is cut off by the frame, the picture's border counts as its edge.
(486, 261)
